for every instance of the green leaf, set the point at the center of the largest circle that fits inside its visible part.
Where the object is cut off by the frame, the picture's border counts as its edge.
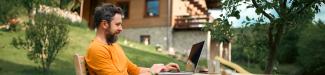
(237, 14)
(247, 18)
(258, 11)
(219, 19)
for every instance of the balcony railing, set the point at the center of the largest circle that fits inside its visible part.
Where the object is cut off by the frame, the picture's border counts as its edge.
(188, 22)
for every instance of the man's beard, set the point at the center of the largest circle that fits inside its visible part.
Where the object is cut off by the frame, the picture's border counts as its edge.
(111, 38)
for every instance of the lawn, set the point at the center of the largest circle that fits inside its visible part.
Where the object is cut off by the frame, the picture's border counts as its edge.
(286, 69)
(15, 62)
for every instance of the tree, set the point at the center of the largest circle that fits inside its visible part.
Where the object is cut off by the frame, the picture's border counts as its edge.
(44, 39)
(250, 44)
(311, 49)
(287, 15)
(11, 9)
(287, 50)
(220, 30)
(33, 5)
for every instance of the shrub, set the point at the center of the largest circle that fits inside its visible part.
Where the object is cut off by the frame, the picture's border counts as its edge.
(44, 39)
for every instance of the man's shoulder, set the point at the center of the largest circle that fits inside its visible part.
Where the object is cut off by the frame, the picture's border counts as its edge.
(95, 46)
(101, 47)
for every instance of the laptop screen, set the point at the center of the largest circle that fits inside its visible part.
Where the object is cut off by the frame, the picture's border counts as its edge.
(193, 58)
(195, 53)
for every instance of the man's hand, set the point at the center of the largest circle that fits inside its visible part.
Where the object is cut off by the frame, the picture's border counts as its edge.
(171, 67)
(156, 68)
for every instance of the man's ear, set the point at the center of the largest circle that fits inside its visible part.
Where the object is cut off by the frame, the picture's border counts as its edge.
(104, 25)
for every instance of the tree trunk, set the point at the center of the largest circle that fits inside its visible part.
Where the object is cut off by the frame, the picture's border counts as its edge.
(274, 40)
(270, 58)
(269, 65)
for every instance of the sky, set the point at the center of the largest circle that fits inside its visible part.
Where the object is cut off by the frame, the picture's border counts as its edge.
(250, 12)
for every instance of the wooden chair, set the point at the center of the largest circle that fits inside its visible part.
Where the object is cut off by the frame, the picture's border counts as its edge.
(80, 65)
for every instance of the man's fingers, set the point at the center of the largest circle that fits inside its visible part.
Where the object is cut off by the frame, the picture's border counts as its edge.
(173, 65)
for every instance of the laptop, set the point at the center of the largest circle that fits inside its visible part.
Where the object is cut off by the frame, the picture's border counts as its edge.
(192, 61)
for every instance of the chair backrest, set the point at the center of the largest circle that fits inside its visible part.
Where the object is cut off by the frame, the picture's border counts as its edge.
(80, 64)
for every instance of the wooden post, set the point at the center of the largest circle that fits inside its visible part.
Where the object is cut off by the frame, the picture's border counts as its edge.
(212, 47)
(81, 8)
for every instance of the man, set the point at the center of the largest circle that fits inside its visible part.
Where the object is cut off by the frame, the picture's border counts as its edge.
(105, 56)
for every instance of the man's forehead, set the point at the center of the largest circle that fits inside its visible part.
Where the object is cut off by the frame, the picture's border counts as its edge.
(117, 18)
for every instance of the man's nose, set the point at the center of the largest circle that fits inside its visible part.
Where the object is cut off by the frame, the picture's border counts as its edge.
(120, 29)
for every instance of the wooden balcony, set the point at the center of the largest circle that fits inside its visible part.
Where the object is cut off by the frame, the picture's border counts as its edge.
(189, 22)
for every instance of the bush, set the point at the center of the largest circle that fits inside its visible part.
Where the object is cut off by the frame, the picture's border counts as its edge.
(44, 39)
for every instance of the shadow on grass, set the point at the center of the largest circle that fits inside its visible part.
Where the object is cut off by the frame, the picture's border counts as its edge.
(11, 68)
(59, 67)
(62, 67)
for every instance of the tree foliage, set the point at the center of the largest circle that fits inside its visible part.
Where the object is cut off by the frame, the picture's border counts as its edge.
(250, 47)
(288, 49)
(33, 5)
(302, 46)
(16, 8)
(287, 14)
(220, 30)
(44, 39)
(11, 9)
(311, 49)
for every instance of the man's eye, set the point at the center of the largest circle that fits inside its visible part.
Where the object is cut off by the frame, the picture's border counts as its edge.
(119, 24)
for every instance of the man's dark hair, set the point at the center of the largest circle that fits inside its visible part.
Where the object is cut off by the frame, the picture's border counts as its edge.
(105, 11)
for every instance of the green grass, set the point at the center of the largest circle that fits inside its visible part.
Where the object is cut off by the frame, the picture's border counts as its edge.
(289, 69)
(286, 69)
(15, 62)
(253, 68)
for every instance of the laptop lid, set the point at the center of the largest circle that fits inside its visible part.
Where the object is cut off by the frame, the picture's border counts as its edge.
(195, 54)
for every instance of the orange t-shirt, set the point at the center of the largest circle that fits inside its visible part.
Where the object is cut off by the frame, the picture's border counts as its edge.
(104, 59)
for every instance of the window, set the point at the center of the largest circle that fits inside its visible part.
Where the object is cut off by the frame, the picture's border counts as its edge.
(125, 6)
(152, 8)
(145, 39)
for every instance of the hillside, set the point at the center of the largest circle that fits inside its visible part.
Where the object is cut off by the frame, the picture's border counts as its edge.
(15, 62)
